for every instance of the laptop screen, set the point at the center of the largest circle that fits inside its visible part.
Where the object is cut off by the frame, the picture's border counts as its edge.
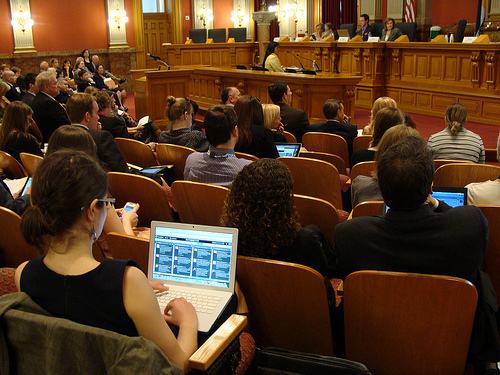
(194, 256)
(288, 149)
(452, 196)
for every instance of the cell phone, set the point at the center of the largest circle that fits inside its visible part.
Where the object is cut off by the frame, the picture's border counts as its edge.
(26, 186)
(129, 207)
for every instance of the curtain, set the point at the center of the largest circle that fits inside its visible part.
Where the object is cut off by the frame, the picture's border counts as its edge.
(339, 12)
(349, 11)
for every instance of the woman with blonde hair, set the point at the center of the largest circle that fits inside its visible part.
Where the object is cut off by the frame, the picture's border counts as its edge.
(272, 121)
(456, 142)
(382, 102)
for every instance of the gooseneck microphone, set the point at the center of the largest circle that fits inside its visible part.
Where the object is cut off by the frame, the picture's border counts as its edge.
(303, 70)
(334, 66)
(153, 56)
(305, 58)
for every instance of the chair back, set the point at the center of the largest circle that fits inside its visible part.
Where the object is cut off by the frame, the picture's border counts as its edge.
(492, 258)
(461, 174)
(377, 28)
(135, 152)
(238, 33)
(199, 203)
(174, 154)
(11, 167)
(218, 35)
(123, 246)
(459, 35)
(288, 305)
(30, 162)
(243, 155)
(364, 168)
(406, 323)
(490, 155)
(198, 35)
(409, 29)
(351, 27)
(368, 208)
(7, 280)
(440, 162)
(326, 142)
(315, 178)
(337, 161)
(361, 142)
(125, 187)
(15, 250)
(317, 211)
(290, 138)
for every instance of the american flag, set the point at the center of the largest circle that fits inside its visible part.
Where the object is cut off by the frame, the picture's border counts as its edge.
(410, 10)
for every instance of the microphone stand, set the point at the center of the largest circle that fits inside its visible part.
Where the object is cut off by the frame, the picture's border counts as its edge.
(334, 66)
(157, 59)
(305, 58)
(303, 70)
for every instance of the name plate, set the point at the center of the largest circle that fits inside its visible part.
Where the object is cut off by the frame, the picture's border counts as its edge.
(343, 39)
(469, 39)
(374, 39)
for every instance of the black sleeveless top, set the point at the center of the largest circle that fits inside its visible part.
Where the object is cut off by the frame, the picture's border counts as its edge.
(94, 298)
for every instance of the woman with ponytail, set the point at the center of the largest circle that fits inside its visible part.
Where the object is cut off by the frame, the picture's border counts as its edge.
(456, 142)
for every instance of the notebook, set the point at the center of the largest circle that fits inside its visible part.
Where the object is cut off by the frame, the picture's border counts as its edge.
(452, 196)
(196, 262)
(288, 149)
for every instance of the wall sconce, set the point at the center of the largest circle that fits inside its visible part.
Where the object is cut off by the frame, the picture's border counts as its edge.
(205, 15)
(292, 11)
(22, 20)
(118, 17)
(276, 9)
(239, 17)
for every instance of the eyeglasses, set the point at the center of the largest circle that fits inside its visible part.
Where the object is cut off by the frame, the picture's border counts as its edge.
(108, 201)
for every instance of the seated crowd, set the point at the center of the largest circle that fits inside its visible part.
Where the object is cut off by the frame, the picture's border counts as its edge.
(70, 207)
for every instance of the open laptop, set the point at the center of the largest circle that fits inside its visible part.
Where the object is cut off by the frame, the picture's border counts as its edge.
(288, 149)
(197, 262)
(452, 196)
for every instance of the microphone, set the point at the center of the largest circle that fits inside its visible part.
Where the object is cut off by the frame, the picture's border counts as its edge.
(303, 70)
(300, 62)
(334, 66)
(153, 56)
(305, 58)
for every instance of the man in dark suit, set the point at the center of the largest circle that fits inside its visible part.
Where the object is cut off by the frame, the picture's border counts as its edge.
(336, 123)
(14, 92)
(366, 28)
(31, 88)
(421, 235)
(47, 112)
(295, 120)
(83, 111)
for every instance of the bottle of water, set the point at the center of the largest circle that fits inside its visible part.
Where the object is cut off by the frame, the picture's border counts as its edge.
(315, 67)
(452, 38)
(369, 34)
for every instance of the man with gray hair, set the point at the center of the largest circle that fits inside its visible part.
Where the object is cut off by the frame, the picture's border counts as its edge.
(9, 78)
(47, 112)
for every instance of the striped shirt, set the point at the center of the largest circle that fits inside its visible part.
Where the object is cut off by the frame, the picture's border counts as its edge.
(465, 145)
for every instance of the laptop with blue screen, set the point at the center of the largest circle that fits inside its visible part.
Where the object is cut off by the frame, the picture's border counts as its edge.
(288, 149)
(197, 262)
(452, 196)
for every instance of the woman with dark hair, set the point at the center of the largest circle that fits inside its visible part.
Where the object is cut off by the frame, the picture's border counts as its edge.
(14, 132)
(253, 137)
(67, 70)
(260, 204)
(99, 79)
(69, 197)
(271, 60)
(88, 62)
(179, 113)
(390, 33)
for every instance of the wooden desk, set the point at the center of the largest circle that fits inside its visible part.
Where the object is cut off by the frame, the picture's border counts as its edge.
(204, 85)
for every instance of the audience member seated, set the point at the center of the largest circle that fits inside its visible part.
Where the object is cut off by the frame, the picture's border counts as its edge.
(64, 90)
(20, 85)
(47, 112)
(99, 79)
(14, 132)
(336, 123)
(410, 237)
(295, 120)
(83, 111)
(107, 73)
(253, 137)
(272, 121)
(271, 60)
(79, 65)
(456, 142)
(260, 204)
(69, 196)
(390, 33)
(86, 59)
(4, 102)
(44, 66)
(179, 113)
(31, 88)
(487, 192)
(84, 80)
(220, 165)
(365, 188)
(67, 70)
(386, 118)
(14, 202)
(382, 102)
(230, 95)
(14, 92)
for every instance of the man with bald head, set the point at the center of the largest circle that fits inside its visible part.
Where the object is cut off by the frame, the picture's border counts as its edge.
(230, 95)
(14, 92)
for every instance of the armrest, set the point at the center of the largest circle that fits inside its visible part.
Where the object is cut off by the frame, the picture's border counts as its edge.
(215, 345)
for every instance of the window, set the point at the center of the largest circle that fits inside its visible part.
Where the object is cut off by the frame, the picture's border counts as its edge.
(153, 6)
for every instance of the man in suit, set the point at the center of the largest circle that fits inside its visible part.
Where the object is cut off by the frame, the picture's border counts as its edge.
(230, 95)
(336, 123)
(14, 92)
(31, 88)
(421, 235)
(295, 120)
(47, 112)
(83, 111)
(365, 27)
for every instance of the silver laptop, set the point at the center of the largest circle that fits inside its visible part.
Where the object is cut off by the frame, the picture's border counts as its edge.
(197, 262)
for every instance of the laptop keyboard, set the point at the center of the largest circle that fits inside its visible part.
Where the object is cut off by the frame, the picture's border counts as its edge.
(202, 302)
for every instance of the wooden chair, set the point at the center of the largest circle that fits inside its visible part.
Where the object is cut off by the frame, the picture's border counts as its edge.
(440, 162)
(490, 155)
(405, 323)
(174, 154)
(363, 169)
(125, 187)
(199, 203)
(123, 246)
(315, 178)
(30, 162)
(15, 249)
(135, 152)
(361, 142)
(326, 142)
(288, 305)
(242, 155)
(290, 138)
(11, 167)
(461, 174)
(337, 161)
(317, 211)
(369, 208)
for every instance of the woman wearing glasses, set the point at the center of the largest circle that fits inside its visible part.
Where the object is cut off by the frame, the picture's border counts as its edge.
(69, 197)
(180, 114)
